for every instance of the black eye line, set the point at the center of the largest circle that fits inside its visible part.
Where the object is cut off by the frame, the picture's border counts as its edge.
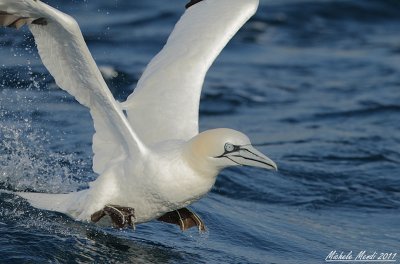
(235, 148)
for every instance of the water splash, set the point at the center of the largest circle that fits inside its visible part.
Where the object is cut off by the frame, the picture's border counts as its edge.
(26, 164)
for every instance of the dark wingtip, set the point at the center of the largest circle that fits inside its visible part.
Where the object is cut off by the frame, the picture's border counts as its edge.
(192, 2)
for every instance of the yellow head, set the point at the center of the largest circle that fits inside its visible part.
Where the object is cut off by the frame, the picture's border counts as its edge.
(216, 149)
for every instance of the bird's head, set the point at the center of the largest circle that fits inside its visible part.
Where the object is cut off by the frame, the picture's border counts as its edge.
(217, 149)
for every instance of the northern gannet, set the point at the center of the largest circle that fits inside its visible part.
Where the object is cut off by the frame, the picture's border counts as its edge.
(151, 159)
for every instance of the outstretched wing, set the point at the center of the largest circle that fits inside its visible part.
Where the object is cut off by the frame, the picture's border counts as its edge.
(165, 103)
(64, 53)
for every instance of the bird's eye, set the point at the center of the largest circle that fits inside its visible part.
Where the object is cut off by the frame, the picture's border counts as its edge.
(229, 147)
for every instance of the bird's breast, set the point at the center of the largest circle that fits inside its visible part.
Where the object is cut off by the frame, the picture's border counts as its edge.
(160, 184)
(177, 184)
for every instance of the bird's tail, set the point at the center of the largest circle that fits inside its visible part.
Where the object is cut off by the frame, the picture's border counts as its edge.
(64, 203)
(47, 201)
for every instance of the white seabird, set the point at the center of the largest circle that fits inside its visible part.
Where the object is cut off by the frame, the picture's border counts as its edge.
(151, 159)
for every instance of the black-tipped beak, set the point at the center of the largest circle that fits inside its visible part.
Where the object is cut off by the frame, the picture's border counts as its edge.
(249, 156)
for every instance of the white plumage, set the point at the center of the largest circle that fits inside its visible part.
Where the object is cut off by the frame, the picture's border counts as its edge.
(152, 159)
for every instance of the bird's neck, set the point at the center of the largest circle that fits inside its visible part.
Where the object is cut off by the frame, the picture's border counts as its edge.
(196, 157)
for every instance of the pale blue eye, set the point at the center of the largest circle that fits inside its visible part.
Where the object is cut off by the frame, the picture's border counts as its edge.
(229, 147)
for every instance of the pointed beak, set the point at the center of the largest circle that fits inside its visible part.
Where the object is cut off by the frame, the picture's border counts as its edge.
(249, 156)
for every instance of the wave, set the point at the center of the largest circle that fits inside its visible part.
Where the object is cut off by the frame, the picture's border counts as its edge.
(381, 109)
(319, 182)
(342, 24)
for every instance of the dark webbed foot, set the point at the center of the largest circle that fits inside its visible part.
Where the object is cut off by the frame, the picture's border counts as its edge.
(185, 218)
(120, 216)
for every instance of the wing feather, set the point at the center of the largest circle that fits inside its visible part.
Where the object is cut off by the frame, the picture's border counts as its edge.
(64, 53)
(165, 103)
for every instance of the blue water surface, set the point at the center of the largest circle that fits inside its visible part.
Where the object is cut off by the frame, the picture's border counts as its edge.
(314, 83)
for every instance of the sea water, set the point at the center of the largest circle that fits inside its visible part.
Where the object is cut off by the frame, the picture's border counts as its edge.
(314, 83)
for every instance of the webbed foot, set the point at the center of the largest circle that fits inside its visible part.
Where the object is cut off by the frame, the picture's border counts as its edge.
(185, 218)
(120, 216)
